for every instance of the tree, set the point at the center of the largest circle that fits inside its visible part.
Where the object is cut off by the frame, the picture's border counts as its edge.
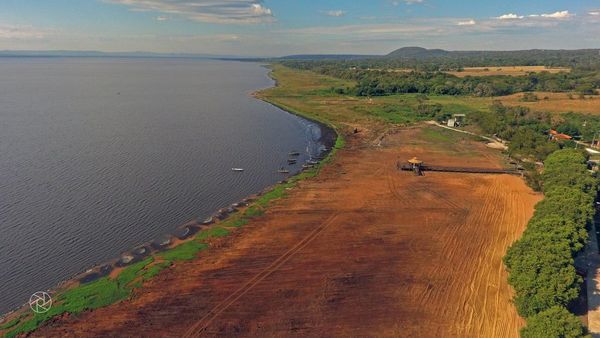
(568, 167)
(560, 226)
(529, 97)
(556, 322)
(568, 202)
(542, 272)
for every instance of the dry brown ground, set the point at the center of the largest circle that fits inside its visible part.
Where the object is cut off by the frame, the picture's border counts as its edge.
(361, 250)
(511, 71)
(556, 102)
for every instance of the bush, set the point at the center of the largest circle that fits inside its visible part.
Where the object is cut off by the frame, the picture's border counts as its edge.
(569, 202)
(554, 322)
(542, 272)
(529, 97)
(560, 227)
(568, 167)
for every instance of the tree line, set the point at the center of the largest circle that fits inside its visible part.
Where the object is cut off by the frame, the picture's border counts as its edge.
(376, 82)
(541, 263)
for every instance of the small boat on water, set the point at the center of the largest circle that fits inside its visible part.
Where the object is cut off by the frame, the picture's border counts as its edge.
(307, 166)
(292, 161)
(311, 162)
(283, 171)
(237, 169)
(294, 153)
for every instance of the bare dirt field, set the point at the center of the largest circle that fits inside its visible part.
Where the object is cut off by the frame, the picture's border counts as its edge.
(510, 71)
(360, 250)
(556, 102)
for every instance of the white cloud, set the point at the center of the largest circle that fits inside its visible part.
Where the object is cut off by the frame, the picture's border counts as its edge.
(594, 13)
(216, 38)
(18, 32)
(335, 13)
(212, 11)
(510, 16)
(467, 23)
(162, 18)
(558, 15)
(408, 2)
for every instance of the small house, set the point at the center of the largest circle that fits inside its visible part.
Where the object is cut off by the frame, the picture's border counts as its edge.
(554, 135)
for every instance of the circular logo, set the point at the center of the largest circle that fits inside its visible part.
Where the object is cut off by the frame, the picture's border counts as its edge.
(40, 302)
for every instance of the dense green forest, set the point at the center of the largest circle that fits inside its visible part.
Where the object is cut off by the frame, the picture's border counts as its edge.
(423, 72)
(379, 82)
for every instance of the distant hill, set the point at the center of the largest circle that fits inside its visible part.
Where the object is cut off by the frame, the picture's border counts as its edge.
(328, 57)
(423, 53)
(417, 53)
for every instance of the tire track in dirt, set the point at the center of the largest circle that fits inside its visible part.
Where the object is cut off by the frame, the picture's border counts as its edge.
(207, 319)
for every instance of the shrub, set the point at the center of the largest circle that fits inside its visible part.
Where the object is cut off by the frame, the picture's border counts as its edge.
(568, 167)
(554, 322)
(559, 226)
(567, 201)
(542, 272)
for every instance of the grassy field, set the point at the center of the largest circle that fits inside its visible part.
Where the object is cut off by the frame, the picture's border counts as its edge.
(508, 71)
(303, 91)
(557, 102)
(547, 102)
(307, 92)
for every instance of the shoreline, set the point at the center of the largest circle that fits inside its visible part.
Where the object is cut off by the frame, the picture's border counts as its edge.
(329, 132)
(329, 138)
(359, 226)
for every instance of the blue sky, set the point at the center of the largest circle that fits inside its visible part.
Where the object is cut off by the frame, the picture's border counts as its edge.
(279, 27)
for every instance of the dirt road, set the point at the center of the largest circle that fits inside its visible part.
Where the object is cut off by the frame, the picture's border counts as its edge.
(361, 250)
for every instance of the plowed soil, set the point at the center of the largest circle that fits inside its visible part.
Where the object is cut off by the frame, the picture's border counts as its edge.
(361, 250)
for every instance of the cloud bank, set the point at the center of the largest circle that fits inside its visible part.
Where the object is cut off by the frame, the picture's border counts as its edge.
(211, 11)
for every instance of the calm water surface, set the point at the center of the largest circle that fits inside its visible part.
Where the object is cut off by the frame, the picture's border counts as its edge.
(99, 155)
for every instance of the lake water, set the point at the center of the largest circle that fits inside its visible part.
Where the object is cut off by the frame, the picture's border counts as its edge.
(98, 155)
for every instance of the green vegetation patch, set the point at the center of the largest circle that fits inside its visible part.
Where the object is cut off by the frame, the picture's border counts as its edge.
(214, 232)
(10, 324)
(93, 295)
(183, 252)
(554, 322)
